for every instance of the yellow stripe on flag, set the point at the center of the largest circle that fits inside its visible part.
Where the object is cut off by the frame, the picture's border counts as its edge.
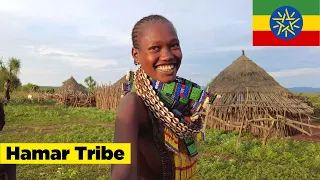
(262, 23)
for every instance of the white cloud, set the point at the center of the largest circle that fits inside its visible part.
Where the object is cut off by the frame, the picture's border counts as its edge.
(116, 70)
(40, 76)
(235, 48)
(91, 63)
(38, 71)
(44, 50)
(54, 11)
(74, 59)
(113, 35)
(297, 72)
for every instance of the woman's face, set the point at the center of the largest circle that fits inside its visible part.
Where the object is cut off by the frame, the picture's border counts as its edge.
(159, 52)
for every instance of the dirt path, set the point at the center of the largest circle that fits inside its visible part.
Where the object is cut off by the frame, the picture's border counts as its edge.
(102, 124)
(48, 128)
(315, 135)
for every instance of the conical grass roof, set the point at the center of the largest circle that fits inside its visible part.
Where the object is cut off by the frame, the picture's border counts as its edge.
(247, 91)
(120, 82)
(243, 73)
(71, 85)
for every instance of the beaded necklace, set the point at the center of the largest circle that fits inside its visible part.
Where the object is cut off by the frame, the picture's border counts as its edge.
(182, 97)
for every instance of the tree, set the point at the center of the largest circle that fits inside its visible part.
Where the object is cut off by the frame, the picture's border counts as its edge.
(14, 67)
(10, 72)
(30, 88)
(4, 75)
(1, 63)
(91, 83)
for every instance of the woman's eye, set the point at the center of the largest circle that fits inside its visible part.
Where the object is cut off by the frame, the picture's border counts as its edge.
(176, 45)
(155, 48)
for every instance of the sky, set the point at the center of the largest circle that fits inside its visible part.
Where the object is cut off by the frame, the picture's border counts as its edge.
(56, 39)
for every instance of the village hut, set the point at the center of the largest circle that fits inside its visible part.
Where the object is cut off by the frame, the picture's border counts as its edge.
(251, 99)
(71, 93)
(119, 83)
(71, 85)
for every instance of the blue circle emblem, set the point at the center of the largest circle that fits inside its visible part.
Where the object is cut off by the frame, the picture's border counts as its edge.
(286, 22)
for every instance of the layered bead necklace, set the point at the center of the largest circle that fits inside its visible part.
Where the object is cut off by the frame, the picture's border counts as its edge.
(177, 104)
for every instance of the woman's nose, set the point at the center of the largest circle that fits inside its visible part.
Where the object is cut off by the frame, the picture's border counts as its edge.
(166, 54)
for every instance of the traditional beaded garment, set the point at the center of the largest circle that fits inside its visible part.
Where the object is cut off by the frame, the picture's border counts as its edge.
(175, 111)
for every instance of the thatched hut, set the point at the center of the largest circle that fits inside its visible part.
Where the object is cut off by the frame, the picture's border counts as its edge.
(251, 99)
(119, 83)
(71, 93)
(71, 85)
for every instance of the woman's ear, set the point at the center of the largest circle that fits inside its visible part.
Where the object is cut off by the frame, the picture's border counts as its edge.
(135, 55)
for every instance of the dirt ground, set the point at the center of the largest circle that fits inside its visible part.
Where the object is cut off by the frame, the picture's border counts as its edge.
(315, 134)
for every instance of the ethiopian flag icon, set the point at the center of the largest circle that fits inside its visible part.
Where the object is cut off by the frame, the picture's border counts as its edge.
(286, 23)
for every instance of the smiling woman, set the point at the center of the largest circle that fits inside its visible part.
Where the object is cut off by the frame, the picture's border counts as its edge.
(160, 115)
(157, 48)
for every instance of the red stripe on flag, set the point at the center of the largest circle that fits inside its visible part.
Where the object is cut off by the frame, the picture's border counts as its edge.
(267, 38)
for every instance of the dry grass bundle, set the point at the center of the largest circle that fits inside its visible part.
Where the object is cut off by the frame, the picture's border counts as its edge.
(248, 93)
(75, 99)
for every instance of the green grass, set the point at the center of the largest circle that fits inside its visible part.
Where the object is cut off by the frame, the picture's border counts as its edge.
(282, 159)
(315, 100)
(53, 123)
(314, 97)
(219, 159)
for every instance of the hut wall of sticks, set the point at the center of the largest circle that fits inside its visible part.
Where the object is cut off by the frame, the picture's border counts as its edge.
(108, 96)
(252, 100)
(73, 94)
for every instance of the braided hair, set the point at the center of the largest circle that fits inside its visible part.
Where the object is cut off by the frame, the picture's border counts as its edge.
(137, 26)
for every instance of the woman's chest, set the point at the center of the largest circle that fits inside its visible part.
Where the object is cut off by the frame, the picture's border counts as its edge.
(149, 158)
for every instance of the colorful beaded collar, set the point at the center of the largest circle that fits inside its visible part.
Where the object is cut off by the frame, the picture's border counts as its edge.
(181, 91)
(183, 98)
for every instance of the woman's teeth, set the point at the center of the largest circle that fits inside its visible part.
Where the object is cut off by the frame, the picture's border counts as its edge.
(165, 67)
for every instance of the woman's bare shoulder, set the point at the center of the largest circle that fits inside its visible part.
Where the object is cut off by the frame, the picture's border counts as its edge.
(130, 99)
(131, 108)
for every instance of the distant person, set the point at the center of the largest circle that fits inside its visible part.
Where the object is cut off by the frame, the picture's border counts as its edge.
(159, 113)
(7, 171)
(7, 91)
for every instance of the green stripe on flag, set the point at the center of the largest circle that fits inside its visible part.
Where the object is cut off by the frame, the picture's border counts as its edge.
(305, 7)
